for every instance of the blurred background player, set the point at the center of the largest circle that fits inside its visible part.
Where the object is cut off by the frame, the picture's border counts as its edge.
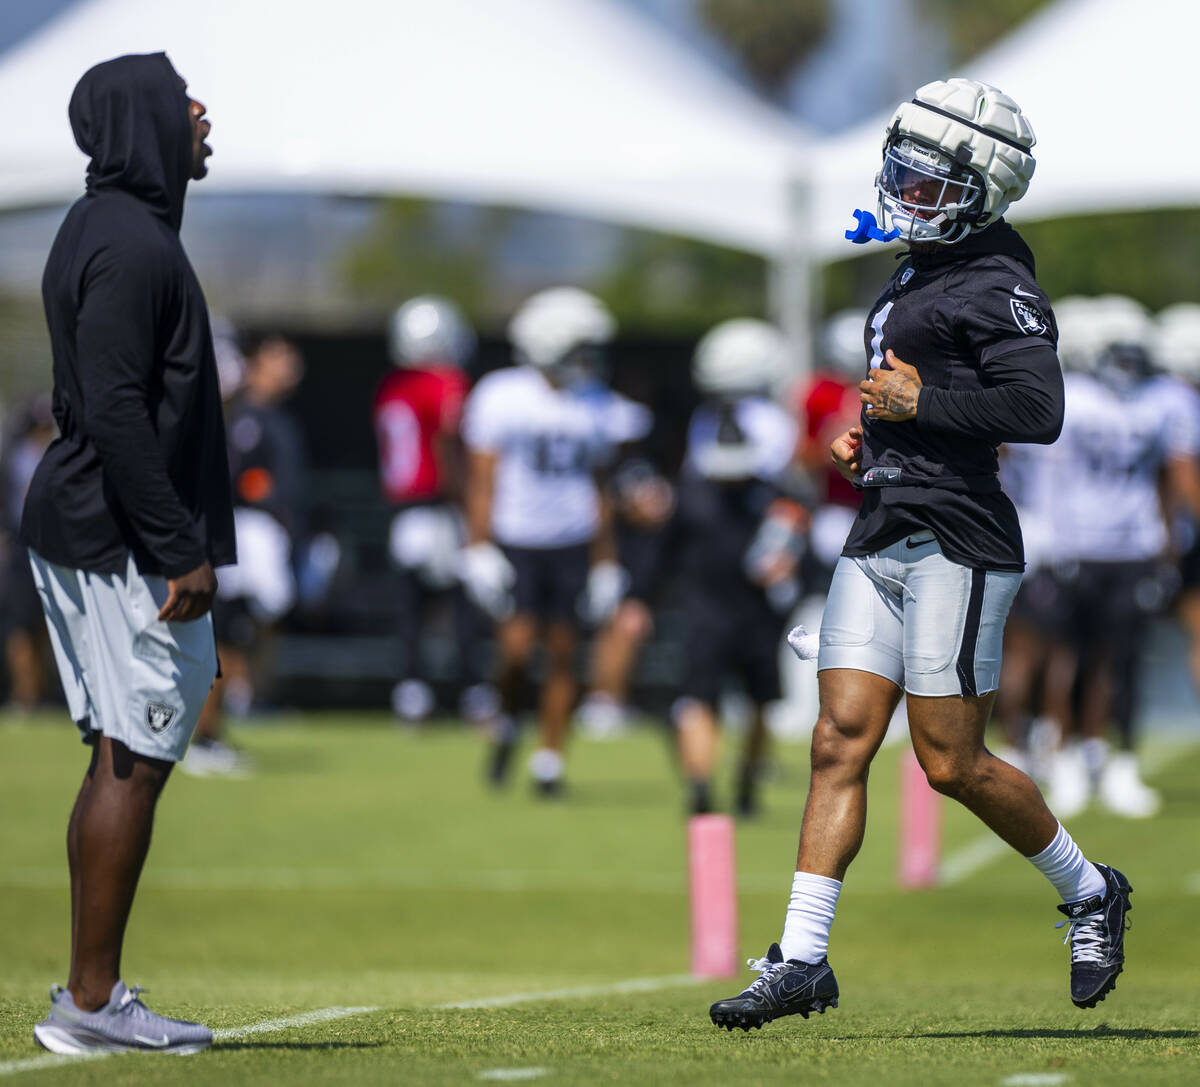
(1038, 671)
(642, 500)
(1177, 352)
(417, 410)
(827, 404)
(736, 538)
(267, 465)
(540, 552)
(26, 646)
(1128, 436)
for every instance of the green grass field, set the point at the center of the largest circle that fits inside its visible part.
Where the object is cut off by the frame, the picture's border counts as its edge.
(365, 867)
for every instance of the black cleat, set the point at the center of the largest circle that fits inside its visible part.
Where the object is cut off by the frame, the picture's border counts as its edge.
(700, 801)
(1097, 938)
(785, 988)
(550, 789)
(500, 752)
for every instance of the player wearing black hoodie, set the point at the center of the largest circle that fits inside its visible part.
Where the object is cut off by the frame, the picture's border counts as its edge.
(127, 515)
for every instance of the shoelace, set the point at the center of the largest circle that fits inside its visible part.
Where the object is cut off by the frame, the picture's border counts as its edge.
(131, 997)
(1087, 937)
(766, 969)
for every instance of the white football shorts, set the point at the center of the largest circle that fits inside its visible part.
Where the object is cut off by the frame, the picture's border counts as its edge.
(909, 614)
(125, 673)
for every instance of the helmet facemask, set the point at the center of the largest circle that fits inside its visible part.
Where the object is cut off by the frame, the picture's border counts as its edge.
(926, 194)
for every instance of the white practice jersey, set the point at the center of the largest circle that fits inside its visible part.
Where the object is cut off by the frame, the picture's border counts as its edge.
(1029, 474)
(549, 444)
(770, 432)
(1112, 449)
(622, 420)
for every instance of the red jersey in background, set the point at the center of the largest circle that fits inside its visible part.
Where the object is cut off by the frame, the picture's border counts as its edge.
(829, 405)
(413, 408)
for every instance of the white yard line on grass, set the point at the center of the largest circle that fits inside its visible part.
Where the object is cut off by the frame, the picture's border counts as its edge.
(513, 1073)
(634, 985)
(972, 857)
(987, 848)
(321, 1015)
(1035, 1079)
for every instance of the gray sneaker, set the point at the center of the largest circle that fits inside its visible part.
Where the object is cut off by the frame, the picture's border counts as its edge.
(123, 1024)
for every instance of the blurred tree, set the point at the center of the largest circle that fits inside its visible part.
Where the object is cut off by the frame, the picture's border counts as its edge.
(771, 38)
(675, 285)
(654, 282)
(971, 28)
(417, 247)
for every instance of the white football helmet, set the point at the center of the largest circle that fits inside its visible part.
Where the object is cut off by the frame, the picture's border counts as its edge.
(843, 345)
(1077, 341)
(429, 329)
(954, 158)
(1177, 340)
(556, 323)
(739, 357)
(1123, 334)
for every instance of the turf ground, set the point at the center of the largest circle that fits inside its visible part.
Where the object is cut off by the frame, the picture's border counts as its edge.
(363, 867)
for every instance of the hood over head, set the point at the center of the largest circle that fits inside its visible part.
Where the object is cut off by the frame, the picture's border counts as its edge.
(130, 115)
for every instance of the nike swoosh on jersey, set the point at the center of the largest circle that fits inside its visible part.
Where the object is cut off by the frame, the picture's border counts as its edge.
(1023, 294)
(156, 1043)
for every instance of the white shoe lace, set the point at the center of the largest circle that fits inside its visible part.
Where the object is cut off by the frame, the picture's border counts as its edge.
(1086, 937)
(766, 969)
(131, 997)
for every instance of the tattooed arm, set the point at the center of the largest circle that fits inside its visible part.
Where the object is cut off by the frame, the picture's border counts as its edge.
(891, 395)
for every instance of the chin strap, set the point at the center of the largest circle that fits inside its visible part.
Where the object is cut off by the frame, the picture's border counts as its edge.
(868, 230)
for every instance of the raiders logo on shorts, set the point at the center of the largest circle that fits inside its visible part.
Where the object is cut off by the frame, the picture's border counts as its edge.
(159, 716)
(1029, 319)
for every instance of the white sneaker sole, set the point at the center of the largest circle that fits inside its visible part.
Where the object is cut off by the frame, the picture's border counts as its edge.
(64, 1042)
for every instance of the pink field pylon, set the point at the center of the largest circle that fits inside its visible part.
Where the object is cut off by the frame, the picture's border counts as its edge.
(920, 826)
(713, 884)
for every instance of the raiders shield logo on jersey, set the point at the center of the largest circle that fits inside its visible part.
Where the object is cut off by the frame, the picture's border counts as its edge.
(1029, 319)
(159, 716)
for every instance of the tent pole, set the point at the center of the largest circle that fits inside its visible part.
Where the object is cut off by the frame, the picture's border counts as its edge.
(794, 282)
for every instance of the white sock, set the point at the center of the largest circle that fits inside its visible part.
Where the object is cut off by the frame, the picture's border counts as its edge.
(809, 917)
(1073, 875)
(546, 765)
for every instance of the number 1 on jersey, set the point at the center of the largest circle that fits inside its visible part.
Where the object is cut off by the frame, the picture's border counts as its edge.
(877, 323)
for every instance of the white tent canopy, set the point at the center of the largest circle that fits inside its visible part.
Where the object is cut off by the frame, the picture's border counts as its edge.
(579, 106)
(1109, 88)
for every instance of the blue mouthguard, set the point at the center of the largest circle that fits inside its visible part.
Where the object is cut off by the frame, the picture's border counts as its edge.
(868, 230)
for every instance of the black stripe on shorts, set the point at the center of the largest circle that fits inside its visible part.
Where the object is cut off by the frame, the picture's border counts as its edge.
(970, 638)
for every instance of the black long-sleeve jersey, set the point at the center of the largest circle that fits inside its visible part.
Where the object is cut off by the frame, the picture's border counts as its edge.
(973, 321)
(139, 464)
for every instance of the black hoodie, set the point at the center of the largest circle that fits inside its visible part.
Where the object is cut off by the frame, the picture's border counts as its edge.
(973, 321)
(139, 465)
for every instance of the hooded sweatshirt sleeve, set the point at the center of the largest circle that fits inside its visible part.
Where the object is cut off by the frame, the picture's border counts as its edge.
(123, 291)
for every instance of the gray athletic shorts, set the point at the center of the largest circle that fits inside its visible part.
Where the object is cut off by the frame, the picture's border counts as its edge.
(125, 673)
(909, 614)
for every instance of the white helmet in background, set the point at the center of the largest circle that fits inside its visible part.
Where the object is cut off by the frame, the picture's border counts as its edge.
(429, 329)
(740, 356)
(843, 346)
(954, 158)
(1177, 340)
(553, 324)
(1123, 334)
(1077, 344)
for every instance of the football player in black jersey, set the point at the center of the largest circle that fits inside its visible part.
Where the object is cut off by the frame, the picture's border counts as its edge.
(961, 350)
